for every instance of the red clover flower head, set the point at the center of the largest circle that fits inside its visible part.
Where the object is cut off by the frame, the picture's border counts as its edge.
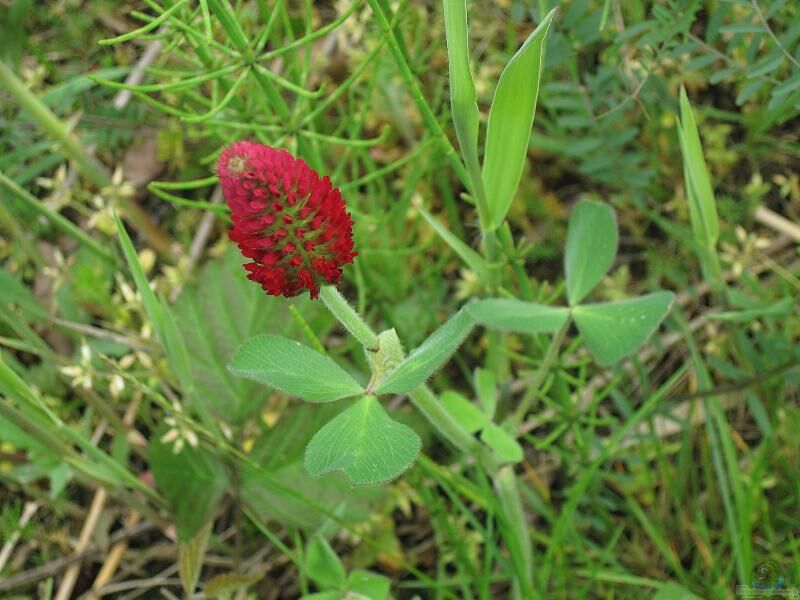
(292, 224)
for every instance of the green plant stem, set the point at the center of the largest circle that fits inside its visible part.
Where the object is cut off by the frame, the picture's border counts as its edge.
(533, 389)
(505, 483)
(430, 406)
(87, 165)
(53, 127)
(52, 442)
(416, 94)
(348, 317)
(10, 224)
(422, 397)
(712, 271)
(517, 264)
(62, 223)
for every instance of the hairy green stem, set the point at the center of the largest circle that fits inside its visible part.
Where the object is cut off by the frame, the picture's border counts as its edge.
(544, 368)
(430, 406)
(348, 317)
(422, 397)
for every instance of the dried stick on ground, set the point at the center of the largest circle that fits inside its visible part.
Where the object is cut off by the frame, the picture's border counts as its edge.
(71, 576)
(96, 509)
(118, 550)
(8, 547)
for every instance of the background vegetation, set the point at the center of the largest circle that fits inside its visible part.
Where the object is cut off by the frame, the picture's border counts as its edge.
(672, 474)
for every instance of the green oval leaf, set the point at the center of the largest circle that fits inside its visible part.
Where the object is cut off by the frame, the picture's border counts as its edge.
(369, 585)
(293, 368)
(224, 585)
(503, 443)
(510, 120)
(429, 356)
(508, 314)
(469, 416)
(364, 443)
(591, 247)
(323, 565)
(615, 329)
(486, 388)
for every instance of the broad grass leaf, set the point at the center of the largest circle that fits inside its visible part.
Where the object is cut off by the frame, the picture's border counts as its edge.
(222, 586)
(510, 120)
(462, 89)
(702, 205)
(215, 316)
(176, 350)
(486, 388)
(102, 473)
(190, 559)
(429, 356)
(193, 481)
(279, 489)
(151, 304)
(591, 247)
(613, 330)
(508, 314)
(160, 314)
(293, 368)
(782, 308)
(673, 591)
(12, 291)
(42, 461)
(365, 443)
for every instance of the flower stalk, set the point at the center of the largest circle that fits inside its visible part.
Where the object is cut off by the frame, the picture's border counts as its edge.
(544, 368)
(348, 317)
(422, 397)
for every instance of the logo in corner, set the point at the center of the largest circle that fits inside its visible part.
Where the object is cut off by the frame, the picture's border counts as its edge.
(767, 575)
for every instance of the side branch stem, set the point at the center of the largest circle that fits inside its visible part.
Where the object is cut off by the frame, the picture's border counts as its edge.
(544, 368)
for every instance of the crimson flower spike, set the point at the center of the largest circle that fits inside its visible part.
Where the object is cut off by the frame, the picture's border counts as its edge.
(292, 224)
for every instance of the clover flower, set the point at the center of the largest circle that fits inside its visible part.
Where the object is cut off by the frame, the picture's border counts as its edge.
(291, 223)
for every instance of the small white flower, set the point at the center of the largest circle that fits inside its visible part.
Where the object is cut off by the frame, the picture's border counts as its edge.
(191, 437)
(117, 386)
(170, 436)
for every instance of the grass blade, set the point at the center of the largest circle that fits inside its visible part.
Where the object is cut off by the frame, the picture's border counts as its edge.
(510, 121)
(702, 205)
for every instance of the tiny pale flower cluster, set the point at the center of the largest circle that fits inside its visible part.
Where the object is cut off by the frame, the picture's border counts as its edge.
(746, 253)
(179, 433)
(81, 373)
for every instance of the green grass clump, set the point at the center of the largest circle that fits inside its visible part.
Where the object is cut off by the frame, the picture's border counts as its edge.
(564, 363)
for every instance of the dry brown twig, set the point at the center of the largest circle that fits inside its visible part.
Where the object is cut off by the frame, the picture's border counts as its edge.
(89, 525)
